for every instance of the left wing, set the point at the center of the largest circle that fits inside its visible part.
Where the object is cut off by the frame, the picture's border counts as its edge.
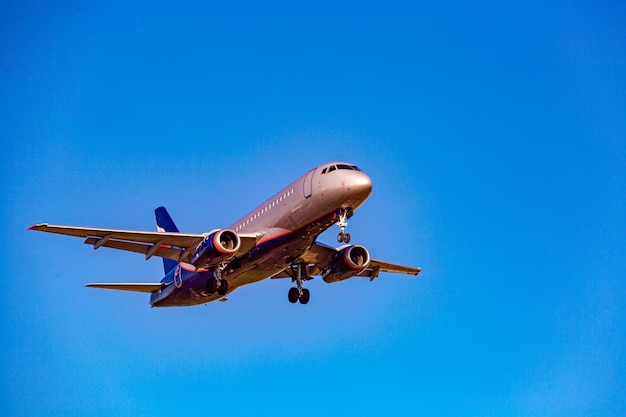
(177, 246)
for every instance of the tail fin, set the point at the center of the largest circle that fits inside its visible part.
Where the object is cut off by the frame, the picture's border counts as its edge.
(165, 224)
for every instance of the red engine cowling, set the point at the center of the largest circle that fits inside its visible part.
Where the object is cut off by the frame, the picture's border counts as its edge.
(216, 247)
(346, 263)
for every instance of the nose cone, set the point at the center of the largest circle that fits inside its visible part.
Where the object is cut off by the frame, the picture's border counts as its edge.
(359, 186)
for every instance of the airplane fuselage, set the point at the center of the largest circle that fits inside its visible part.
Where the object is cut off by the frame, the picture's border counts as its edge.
(287, 225)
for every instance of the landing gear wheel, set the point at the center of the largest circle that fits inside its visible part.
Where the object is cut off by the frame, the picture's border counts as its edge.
(305, 296)
(343, 237)
(211, 285)
(298, 273)
(223, 289)
(293, 294)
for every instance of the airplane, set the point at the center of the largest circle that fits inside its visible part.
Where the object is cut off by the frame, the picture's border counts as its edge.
(278, 239)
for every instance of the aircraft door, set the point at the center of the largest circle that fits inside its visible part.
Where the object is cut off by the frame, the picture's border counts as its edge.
(308, 183)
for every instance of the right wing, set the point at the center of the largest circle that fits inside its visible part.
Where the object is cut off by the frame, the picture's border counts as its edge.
(380, 266)
(319, 256)
(177, 246)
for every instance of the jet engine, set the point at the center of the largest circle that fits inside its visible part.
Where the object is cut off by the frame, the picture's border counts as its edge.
(346, 263)
(216, 247)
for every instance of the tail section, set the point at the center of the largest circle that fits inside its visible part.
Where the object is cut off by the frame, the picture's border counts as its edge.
(166, 224)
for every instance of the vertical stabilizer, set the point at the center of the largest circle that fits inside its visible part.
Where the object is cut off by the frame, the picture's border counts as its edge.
(165, 224)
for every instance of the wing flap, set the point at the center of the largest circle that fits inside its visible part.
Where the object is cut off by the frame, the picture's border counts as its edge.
(135, 287)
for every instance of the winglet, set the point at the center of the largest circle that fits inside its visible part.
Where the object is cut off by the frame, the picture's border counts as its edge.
(38, 226)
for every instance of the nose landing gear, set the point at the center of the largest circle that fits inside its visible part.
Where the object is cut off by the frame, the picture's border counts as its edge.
(344, 214)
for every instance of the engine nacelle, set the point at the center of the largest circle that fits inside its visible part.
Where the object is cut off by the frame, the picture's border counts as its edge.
(216, 247)
(346, 263)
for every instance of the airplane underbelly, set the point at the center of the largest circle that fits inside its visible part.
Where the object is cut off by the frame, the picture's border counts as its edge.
(264, 261)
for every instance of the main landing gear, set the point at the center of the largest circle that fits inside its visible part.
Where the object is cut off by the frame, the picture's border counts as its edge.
(302, 294)
(214, 285)
(342, 223)
(299, 272)
(217, 284)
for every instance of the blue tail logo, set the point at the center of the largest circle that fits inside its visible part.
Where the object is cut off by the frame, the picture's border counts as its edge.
(166, 224)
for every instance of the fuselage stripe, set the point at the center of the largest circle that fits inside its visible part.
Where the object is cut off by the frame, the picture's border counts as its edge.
(273, 237)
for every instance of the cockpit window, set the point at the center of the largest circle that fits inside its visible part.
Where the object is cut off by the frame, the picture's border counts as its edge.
(339, 166)
(344, 166)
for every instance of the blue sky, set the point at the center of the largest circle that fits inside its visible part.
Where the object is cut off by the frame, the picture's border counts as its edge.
(494, 135)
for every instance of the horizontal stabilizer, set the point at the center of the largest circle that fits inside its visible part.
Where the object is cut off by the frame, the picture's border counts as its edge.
(136, 287)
